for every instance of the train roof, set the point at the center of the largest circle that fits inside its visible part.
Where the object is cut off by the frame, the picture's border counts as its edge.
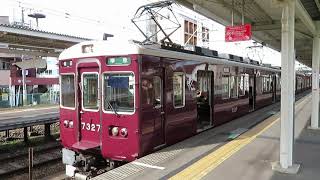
(120, 48)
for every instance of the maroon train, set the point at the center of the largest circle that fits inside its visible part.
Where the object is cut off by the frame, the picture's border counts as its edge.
(121, 101)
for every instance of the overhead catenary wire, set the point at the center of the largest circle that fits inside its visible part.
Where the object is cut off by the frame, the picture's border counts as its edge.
(57, 13)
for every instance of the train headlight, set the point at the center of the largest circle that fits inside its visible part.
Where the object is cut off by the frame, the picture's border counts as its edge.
(66, 123)
(124, 132)
(87, 48)
(115, 131)
(70, 124)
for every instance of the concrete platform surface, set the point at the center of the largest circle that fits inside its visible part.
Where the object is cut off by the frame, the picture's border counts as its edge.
(254, 160)
(28, 112)
(211, 155)
(28, 117)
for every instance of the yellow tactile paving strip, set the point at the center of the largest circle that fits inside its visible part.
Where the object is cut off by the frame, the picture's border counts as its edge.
(205, 165)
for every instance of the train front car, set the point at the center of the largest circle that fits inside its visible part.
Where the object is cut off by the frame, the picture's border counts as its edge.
(98, 114)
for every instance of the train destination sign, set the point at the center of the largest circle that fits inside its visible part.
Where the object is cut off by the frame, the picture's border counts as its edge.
(119, 61)
(238, 33)
(118, 82)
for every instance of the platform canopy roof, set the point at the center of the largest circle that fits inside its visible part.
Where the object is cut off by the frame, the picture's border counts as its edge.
(265, 18)
(21, 40)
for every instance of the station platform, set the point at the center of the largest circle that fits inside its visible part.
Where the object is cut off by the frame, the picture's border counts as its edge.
(9, 113)
(20, 118)
(243, 149)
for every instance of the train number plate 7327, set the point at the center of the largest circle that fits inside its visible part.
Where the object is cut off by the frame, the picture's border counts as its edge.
(90, 127)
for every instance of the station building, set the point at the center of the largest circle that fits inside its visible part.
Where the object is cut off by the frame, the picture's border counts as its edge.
(194, 31)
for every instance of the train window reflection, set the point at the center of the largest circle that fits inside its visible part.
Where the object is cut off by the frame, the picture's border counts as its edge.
(157, 91)
(178, 89)
(243, 81)
(233, 87)
(90, 91)
(266, 83)
(278, 86)
(67, 91)
(119, 92)
(241, 85)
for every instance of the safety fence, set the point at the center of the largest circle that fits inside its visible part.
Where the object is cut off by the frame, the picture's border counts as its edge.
(7, 100)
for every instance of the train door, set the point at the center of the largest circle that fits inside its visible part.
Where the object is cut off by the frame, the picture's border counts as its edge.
(89, 110)
(211, 95)
(252, 92)
(159, 109)
(205, 99)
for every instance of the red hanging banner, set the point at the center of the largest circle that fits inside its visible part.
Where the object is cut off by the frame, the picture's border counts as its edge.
(238, 33)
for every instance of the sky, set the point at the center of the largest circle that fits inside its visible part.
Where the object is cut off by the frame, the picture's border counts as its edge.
(92, 18)
(80, 18)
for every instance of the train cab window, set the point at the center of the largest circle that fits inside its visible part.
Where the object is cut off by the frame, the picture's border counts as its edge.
(225, 93)
(90, 91)
(67, 91)
(119, 92)
(178, 89)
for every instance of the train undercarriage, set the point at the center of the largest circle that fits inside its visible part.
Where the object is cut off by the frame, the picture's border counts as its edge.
(82, 166)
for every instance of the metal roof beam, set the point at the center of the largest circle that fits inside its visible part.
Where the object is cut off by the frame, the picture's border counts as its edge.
(305, 18)
(276, 25)
(31, 53)
(209, 14)
(266, 27)
(41, 34)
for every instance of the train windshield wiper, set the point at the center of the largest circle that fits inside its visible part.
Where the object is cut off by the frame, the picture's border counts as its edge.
(112, 108)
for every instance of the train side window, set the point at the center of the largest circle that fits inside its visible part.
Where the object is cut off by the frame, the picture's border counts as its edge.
(147, 91)
(178, 89)
(278, 83)
(265, 84)
(241, 85)
(246, 83)
(299, 83)
(67, 91)
(157, 87)
(269, 83)
(233, 87)
(225, 93)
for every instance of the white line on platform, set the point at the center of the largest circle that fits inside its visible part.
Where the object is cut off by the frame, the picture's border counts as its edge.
(40, 114)
(26, 110)
(148, 165)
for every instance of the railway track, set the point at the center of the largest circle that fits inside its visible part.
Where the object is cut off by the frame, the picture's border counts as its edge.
(17, 164)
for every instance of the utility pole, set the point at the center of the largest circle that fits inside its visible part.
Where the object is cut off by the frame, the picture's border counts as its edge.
(22, 14)
(24, 86)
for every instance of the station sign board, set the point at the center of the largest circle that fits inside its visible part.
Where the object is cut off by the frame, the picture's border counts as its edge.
(238, 33)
